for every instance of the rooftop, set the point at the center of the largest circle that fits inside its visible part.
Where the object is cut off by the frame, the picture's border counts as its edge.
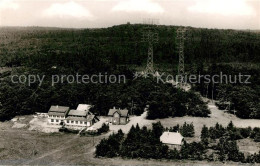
(84, 107)
(88, 119)
(172, 138)
(77, 113)
(123, 112)
(58, 110)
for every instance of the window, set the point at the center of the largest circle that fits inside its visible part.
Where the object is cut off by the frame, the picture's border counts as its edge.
(85, 122)
(76, 122)
(52, 120)
(72, 121)
(57, 120)
(68, 121)
(81, 122)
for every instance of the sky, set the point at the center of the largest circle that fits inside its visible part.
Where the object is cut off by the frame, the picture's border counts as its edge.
(224, 14)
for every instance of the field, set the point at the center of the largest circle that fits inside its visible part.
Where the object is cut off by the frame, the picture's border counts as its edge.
(22, 146)
(221, 117)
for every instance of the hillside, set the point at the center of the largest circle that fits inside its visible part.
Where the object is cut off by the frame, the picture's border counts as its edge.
(122, 44)
(118, 50)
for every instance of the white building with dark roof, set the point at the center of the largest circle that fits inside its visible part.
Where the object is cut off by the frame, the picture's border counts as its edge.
(172, 139)
(57, 114)
(80, 118)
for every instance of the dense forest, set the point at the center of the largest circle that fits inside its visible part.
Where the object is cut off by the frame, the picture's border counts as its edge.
(239, 98)
(118, 50)
(122, 45)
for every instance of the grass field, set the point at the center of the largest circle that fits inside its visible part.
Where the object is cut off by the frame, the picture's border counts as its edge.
(23, 147)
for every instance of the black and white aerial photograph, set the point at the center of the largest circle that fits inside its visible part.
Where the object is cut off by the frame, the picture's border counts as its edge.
(130, 82)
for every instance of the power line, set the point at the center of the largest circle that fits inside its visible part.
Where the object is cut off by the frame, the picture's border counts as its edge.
(180, 39)
(150, 37)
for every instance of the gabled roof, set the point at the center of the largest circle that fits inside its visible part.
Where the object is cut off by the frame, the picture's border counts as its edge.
(172, 138)
(123, 112)
(89, 118)
(76, 118)
(56, 113)
(77, 113)
(112, 111)
(84, 107)
(59, 110)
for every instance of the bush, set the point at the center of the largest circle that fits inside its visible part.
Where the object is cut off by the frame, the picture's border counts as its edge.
(255, 133)
(255, 158)
(245, 132)
(66, 130)
(104, 128)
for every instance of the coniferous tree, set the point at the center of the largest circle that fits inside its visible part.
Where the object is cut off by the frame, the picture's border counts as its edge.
(204, 132)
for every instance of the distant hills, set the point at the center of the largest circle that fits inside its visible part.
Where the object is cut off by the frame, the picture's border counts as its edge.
(122, 44)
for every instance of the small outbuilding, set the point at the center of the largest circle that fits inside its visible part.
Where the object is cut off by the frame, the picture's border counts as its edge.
(172, 139)
(118, 116)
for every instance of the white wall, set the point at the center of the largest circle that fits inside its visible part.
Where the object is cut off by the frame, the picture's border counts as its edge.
(68, 123)
(55, 118)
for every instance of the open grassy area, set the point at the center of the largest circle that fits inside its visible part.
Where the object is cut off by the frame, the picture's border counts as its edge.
(20, 146)
(221, 117)
(216, 116)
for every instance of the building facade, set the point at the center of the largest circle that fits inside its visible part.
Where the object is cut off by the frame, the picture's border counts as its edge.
(118, 116)
(80, 118)
(57, 115)
(74, 119)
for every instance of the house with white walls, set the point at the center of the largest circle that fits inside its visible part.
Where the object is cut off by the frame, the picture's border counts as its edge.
(57, 114)
(80, 118)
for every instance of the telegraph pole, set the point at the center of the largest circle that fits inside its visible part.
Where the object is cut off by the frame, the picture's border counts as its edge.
(180, 39)
(150, 37)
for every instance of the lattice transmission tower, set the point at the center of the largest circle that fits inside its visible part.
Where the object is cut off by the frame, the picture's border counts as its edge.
(150, 37)
(180, 39)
